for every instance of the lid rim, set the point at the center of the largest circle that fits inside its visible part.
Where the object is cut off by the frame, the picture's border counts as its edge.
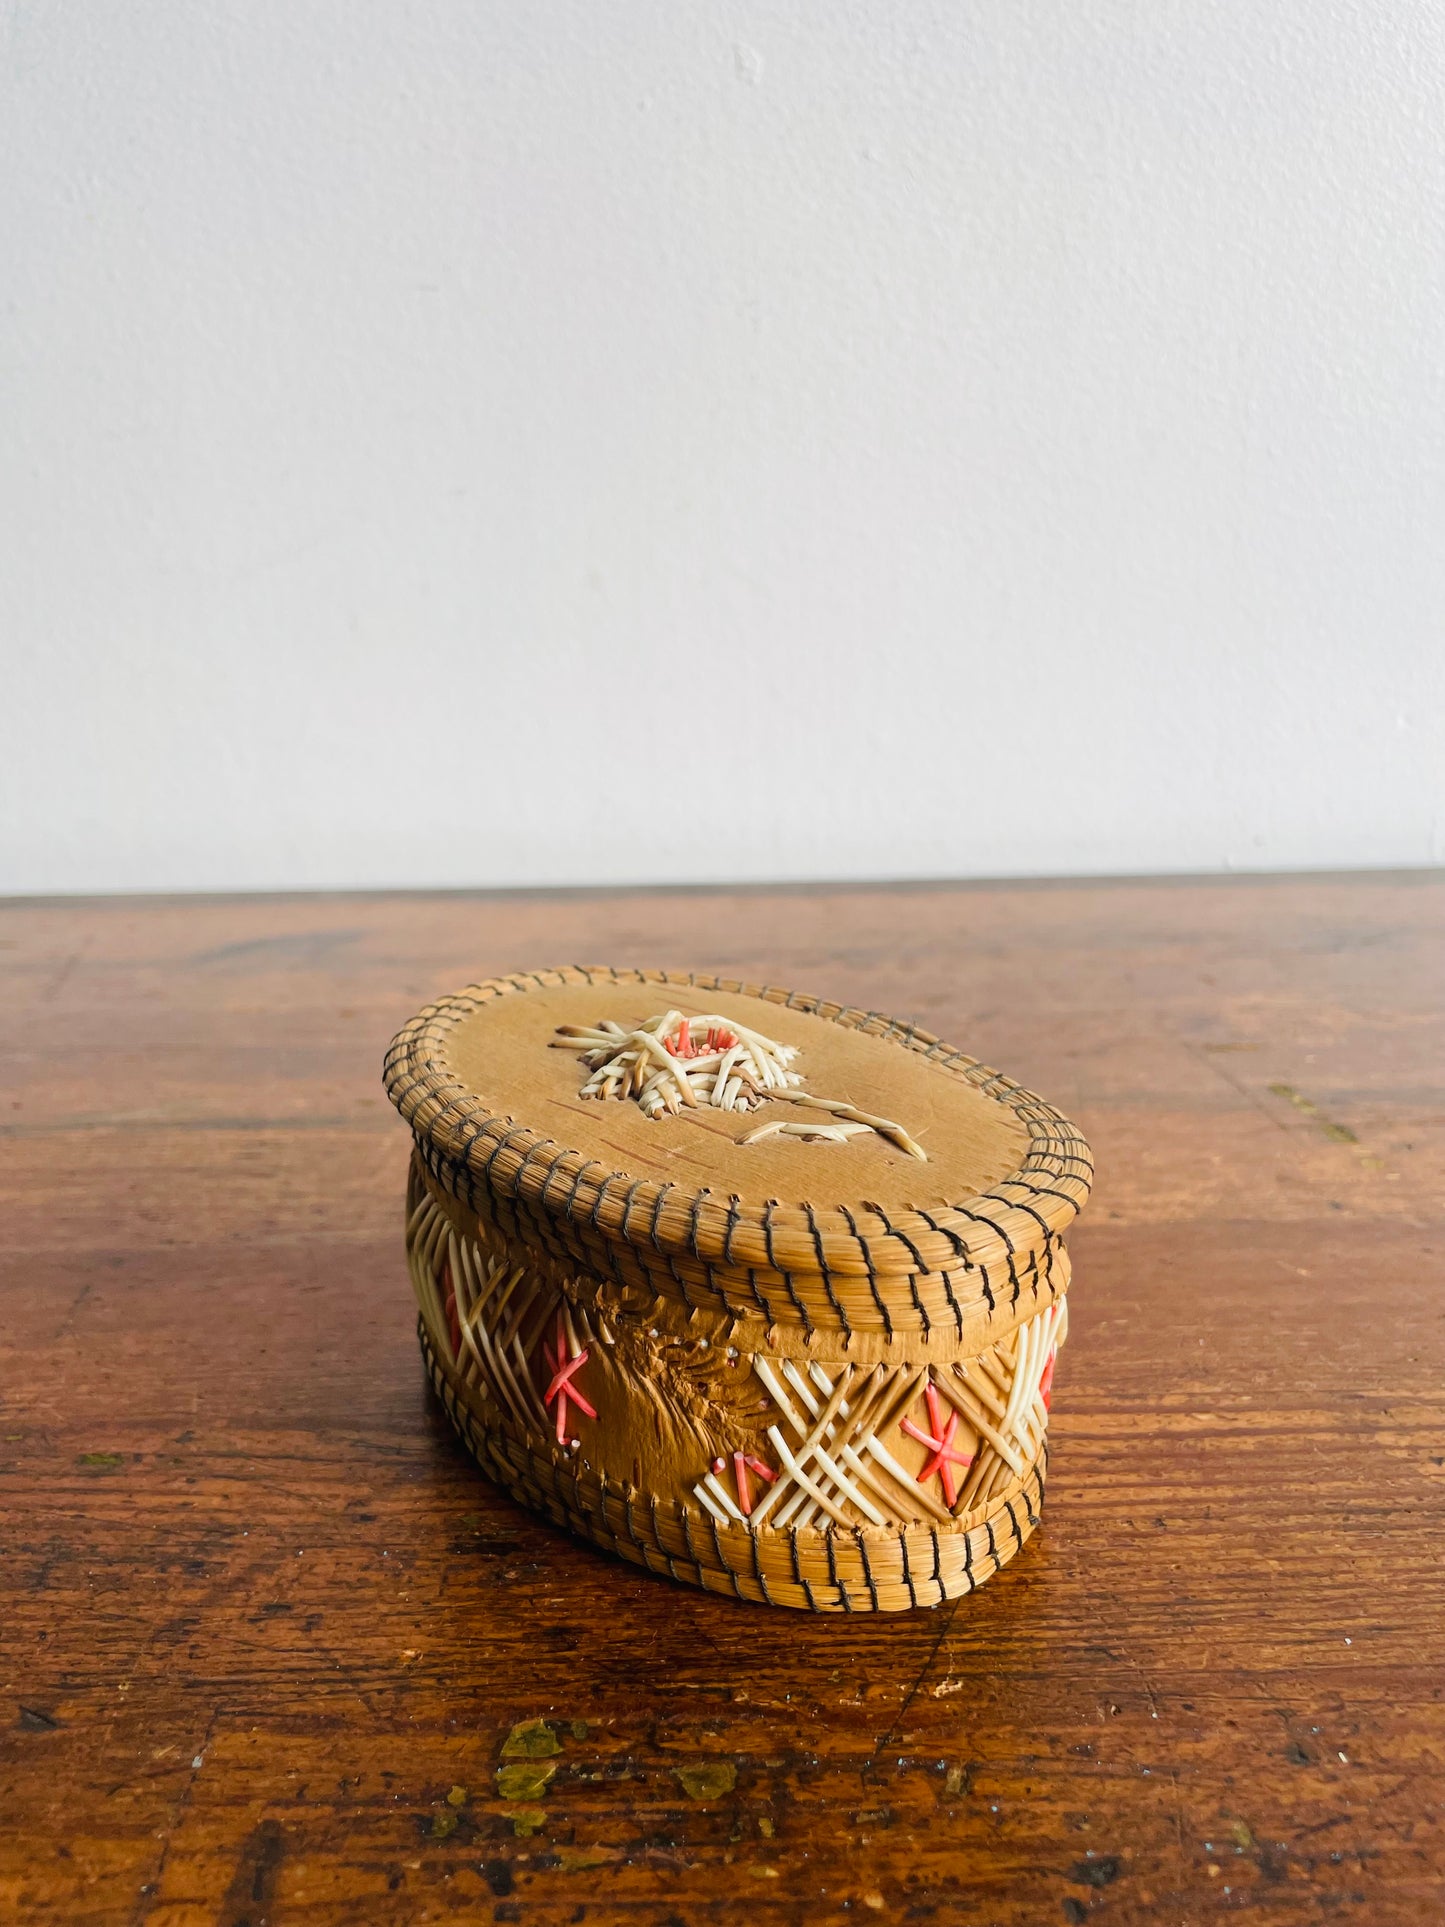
(989, 1228)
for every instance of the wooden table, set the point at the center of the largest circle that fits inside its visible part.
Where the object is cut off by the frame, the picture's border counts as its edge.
(265, 1629)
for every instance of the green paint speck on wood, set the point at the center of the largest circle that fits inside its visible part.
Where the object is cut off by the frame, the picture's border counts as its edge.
(1292, 1096)
(1339, 1133)
(530, 1740)
(707, 1782)
(524, 1781)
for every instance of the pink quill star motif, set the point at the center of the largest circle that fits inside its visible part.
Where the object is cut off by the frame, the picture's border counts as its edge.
(940, 1443)
(564, 1365)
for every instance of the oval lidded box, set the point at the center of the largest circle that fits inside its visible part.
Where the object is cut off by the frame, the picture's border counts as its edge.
(760, 1292)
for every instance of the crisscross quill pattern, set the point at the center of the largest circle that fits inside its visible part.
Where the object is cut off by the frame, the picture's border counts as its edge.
(832, 1434)
(834, 1459)
(490, 1318)
(1003, 1394)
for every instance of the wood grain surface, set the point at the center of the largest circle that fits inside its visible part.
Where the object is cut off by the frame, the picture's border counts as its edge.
(266, 1631)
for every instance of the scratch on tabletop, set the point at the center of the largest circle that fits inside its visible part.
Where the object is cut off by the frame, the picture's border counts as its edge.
(150, 1892)
(924, 1670)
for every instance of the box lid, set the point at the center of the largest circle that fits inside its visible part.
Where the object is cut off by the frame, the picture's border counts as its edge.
(492, 1088)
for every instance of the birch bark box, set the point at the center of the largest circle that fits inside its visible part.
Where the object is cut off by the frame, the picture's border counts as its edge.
(761, 1293)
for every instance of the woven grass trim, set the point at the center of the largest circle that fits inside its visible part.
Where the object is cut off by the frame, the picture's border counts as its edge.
(824, 1570)
(953, 1313)
(822, 1267)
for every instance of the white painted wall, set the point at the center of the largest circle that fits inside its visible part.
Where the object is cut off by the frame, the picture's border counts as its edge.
(542, 441)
